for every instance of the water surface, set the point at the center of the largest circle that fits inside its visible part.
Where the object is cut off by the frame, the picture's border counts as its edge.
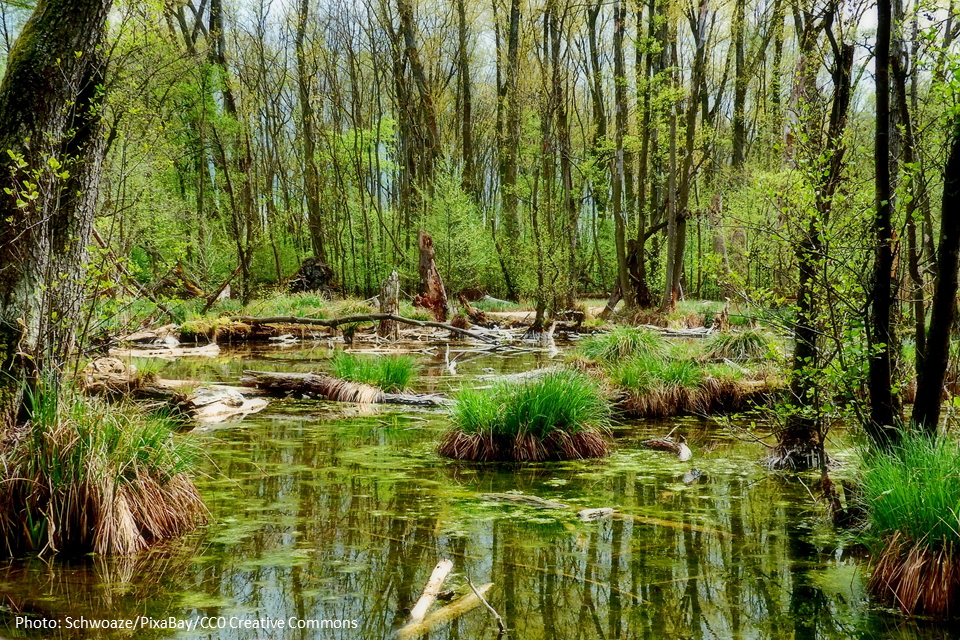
(338, 512)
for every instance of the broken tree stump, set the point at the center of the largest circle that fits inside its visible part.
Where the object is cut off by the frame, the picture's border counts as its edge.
(475, 315)
(390, 305)
(433, 296)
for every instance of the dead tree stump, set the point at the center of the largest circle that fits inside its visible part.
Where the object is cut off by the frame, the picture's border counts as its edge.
(389, 305)
(433, 296)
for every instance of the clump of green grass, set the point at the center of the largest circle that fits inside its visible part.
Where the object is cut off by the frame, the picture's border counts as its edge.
(391, 373)
(912, 498)
(84, 476)
(562, 415)
(624, 342)
(747, 344)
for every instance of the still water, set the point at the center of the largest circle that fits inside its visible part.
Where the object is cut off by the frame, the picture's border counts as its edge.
(336, 512)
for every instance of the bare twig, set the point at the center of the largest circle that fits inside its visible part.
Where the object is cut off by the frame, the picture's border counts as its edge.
(503, 629)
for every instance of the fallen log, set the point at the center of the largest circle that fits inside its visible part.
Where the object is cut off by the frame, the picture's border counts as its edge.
(166, 353)
(372, 317)
(524, 499)
(429, 595)
(334, 389)
(444, 615)
(680, 447)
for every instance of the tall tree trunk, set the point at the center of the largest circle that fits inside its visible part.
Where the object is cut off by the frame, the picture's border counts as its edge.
(599, 179)
(510, 150)
(926, 408)
(50, 105)
(883, 414)
(311, 177)
(740, 83)
(801, 443)
(469, 180)
(617, 169)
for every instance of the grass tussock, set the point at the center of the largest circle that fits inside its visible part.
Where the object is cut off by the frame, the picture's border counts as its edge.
(912, 499)
(743, 345)
(662, 388)
(84, 476)
(561, 416)
(391, 373)
(623, 342)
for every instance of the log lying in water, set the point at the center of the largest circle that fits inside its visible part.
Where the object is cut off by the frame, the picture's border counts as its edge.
(445, 614)
(335, 389)
(440, 573)
(524, 499)
(373, 317)
(665, 444)
(210, 350)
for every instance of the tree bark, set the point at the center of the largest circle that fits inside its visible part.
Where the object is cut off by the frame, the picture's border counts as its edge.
(50, 104)
(617, 169)
(311, 176)
(883, 413)
(926, 409)
(389, 305)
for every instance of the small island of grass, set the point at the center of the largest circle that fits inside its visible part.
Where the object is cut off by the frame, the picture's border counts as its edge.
(561, 416)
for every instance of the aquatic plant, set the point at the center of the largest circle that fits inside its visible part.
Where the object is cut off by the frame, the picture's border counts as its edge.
(392, 373)
(85, 476)
(747, 344)
(560, 416)
(912, 499)
(623, 342)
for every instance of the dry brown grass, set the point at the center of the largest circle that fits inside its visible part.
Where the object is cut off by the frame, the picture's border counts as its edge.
(712, 395)
(915, 578)
(86, 477)
(558, 445)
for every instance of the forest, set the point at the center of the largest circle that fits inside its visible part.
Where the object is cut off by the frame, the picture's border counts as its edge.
(639, 316)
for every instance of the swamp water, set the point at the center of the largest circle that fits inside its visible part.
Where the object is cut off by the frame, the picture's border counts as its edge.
(338, 512)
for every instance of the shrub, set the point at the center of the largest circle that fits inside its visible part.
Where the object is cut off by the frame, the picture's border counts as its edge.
(563, 415)
(85, 476)
(392, 373)
(623, 342)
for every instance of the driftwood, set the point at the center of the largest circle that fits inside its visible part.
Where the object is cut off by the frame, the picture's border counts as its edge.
(588, 515)
(219, 403)
(353, 319)
(665, 444)
(429, 595)
(389, 305)
(163, 337)
(112, 377)
(433, 296)
(334, 389)
(167, 353)
(445, 614)
(475, 315)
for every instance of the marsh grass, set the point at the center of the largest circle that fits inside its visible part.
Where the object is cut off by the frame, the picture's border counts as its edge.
(912, 498)
(85, 476)
(560, 416)
(742, 345)
(650, 387)
(391, 373)
(623, 342)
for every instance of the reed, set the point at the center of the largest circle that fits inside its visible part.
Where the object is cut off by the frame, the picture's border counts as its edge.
(391, 373)
(622, 343)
